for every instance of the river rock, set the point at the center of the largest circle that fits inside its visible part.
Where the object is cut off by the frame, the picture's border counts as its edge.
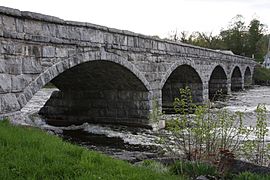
(241, 166)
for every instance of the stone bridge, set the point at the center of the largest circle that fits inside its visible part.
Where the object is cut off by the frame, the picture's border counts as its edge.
(105, 75)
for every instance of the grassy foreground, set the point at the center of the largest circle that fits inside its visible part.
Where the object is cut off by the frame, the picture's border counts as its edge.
(28, 153)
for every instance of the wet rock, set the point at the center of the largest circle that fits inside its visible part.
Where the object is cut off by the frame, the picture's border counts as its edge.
(241, 166)
(202, 178)
(218, 104)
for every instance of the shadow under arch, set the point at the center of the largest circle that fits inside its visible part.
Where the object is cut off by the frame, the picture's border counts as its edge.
(94, 90)
(247, 78)
(184, 75)
(236, 79)
(217, 85)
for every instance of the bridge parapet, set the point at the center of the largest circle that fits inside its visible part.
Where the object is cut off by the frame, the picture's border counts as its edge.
(48, 29)
(36, 49)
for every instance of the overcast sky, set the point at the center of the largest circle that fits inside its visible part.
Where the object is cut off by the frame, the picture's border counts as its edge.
(150, 17)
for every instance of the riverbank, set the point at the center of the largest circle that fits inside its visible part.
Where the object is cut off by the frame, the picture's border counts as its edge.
(134, 144)
(29, 153)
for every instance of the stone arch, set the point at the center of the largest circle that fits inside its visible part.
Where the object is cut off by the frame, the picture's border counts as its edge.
(95, 90)
(247, 77)
(217, 83)
(183, 75)
(58, 68)
(236, 79)
(174, 67)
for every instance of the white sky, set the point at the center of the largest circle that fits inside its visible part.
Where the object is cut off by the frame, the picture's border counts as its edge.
(150, 17)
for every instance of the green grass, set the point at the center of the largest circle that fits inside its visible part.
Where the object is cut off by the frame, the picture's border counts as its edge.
(29, 153)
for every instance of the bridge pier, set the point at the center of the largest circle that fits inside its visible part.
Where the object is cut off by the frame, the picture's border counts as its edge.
(205, 91)
(229, 89)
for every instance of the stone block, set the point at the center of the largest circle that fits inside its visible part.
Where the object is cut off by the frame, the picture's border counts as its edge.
(123, 40)
(18, 83)
(48, 29)
(99, 37)
(47, 76)
(28, 94)
(161, 46)
(33, 27)
(1, 29)
(45, 63)
(9, 103)
(154, 45)
(9, 23)
(48, 51)
(19, 25)
(34, 87)
(40, 38)
(61, 31)
(36, 51)
(148, 43)
(61, 52)
(31, 65)
(22, 100)
(5, 83)
(108, 38)
(130, 41)
(2, 65)
(73, 33)
(85, 35)
(8, 49)
(53, 71)
(13, 65)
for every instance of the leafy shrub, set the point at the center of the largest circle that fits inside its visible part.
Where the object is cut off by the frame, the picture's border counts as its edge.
(215, 137)
(257, 150)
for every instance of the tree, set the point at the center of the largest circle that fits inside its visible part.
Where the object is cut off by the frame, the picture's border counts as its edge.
(180, 37)
(250, 41)
(207, 40)
(234, 38)
(257, 42)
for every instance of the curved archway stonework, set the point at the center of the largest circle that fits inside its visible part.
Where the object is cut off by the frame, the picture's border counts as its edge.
(236, 79)
(123, 66)
(97, 92)
(218, 83)
(181, 77)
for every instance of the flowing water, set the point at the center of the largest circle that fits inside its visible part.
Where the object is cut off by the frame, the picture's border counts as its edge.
(129, 143)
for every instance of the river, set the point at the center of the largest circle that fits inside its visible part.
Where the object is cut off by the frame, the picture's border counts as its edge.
(133, 144)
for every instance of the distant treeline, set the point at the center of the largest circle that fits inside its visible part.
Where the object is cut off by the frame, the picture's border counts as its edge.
(247, 40)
